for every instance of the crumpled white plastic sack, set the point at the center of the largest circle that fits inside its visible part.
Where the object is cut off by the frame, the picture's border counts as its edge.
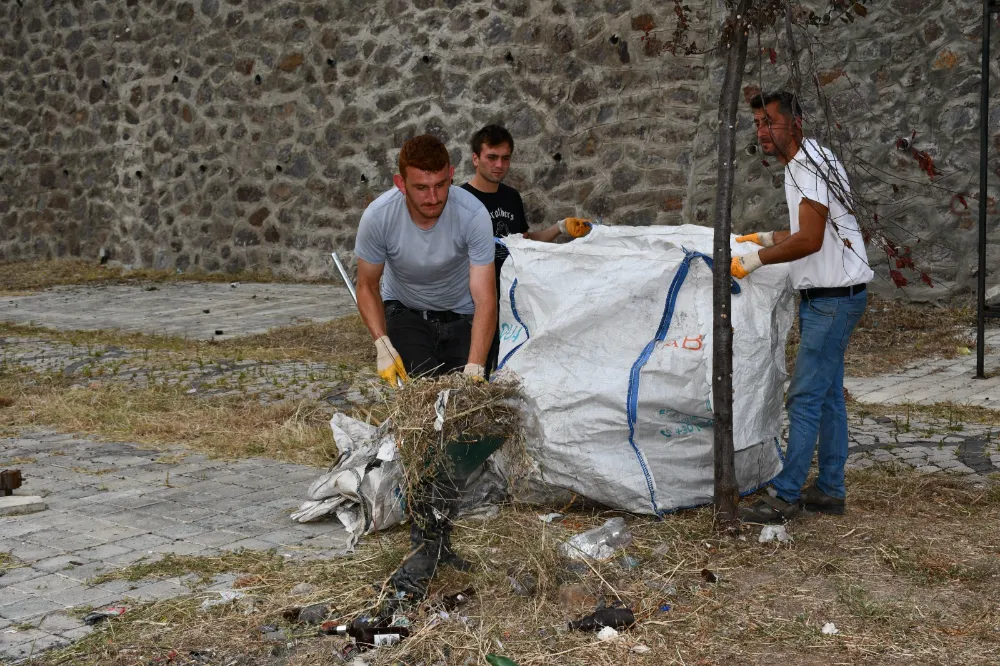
(618, 385)
(363, 487)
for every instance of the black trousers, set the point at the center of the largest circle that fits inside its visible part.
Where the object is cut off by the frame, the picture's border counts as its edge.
(428, 346)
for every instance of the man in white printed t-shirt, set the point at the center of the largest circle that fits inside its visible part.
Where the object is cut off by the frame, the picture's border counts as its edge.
(828, 264)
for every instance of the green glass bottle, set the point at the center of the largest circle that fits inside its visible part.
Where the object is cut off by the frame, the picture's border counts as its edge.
(497, 660)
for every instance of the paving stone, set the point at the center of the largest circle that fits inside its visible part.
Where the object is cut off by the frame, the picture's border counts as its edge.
(142, 542)
(18, 575)
(26, 607)
(163, 589)
(48, 584)
(74, 635)
(30, 553)
(60, 563)
(44, 641)
(59, 623)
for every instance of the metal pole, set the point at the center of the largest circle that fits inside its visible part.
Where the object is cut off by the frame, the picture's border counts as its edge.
(347, 278)
(984, 113)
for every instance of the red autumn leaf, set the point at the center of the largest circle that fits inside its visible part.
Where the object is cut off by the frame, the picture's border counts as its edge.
(898, 279)
(900, 263)
(765, 163)
(926, 280)
(891, 251)
(926, 162)
(772, 56)
(961, 200)
(901, 144)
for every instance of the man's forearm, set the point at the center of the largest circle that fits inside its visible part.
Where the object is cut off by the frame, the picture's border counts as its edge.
(484, 325)
(792, 247)
(781, 236)
(372, 310)
(546, 235)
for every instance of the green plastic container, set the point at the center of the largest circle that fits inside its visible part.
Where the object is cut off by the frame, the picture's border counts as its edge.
(467, 455)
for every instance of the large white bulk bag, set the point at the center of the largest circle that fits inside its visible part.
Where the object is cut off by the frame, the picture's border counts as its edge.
(611, 335)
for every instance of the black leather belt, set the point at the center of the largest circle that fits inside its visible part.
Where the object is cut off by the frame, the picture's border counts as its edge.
(832, 292)
(443, 316)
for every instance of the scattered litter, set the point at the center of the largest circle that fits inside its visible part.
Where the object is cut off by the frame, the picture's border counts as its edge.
(710, 576)
(225, 597)
(302, 589)
(661, 550)
(830, 629)
(151, 289)
(550, 517)
(497, 660)
(772, 532)
(628, 562)
(665, 608)
(234, 284)
(268, 628)
(314, 614)
(607, 634)
(206, 311)
(194, 390)
(616, 618)
(599, 543)
(524, 585)
(453, 601)
(102, 615)
(76, 563)
(274, 637)
(219, 331)
(641, 649)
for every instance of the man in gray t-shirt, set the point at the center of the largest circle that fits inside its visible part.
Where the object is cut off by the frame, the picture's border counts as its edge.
(431, 245)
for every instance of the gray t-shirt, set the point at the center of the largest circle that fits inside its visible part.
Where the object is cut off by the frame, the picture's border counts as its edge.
(427, 269)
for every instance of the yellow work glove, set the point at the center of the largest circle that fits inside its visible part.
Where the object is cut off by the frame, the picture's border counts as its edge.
(475, 371)
(744, 265)
(390, 365)
(575, 226)
(762, 238)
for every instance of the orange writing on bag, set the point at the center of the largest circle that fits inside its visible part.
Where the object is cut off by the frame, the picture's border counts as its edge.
(687, 342)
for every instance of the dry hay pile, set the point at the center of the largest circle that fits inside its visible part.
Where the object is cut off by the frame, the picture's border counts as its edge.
(462, 409)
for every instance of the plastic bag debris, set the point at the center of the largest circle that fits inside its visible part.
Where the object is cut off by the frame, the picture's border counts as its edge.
(616, 618)
(550, 517)
(641, 649)
(607, 634)
(101, 615)
(225, 597)
(710, 576)
(599, 543)
(830, 629)
(774, 532)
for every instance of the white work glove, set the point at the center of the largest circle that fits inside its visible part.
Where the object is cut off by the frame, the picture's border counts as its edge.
(744, 265)
(390, 365)
(475, 371)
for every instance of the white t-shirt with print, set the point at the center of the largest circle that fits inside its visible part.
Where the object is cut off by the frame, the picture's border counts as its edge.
(816, 174)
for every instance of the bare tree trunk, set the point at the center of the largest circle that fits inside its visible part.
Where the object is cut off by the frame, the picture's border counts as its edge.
(726, 487)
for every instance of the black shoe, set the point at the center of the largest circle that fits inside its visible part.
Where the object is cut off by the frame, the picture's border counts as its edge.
(769, 509)
(816, 501)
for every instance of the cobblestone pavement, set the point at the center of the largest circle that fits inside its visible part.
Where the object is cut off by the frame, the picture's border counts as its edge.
(203, 311)
(937, 380)
(114, 504)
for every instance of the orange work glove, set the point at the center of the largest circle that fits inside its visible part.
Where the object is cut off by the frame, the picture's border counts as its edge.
(575, 226)
(762, 238)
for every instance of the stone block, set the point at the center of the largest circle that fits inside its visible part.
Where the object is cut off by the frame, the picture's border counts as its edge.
(19, 505)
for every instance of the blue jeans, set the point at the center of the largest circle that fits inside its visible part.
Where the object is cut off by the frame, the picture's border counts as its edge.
(815, 401)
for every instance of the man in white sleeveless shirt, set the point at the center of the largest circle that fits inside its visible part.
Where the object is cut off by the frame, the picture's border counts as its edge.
(828, 264)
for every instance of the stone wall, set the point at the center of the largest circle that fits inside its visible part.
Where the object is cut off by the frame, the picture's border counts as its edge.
(232, 134)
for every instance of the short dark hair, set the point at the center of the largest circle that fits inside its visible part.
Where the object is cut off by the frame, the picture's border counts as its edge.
(491, 135)
(788, 102)
(424, 152)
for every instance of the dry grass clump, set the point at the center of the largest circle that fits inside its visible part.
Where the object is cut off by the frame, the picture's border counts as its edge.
(234, 426)
(908, 576)
(344, 341)
(893, 334)
(427, 413)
